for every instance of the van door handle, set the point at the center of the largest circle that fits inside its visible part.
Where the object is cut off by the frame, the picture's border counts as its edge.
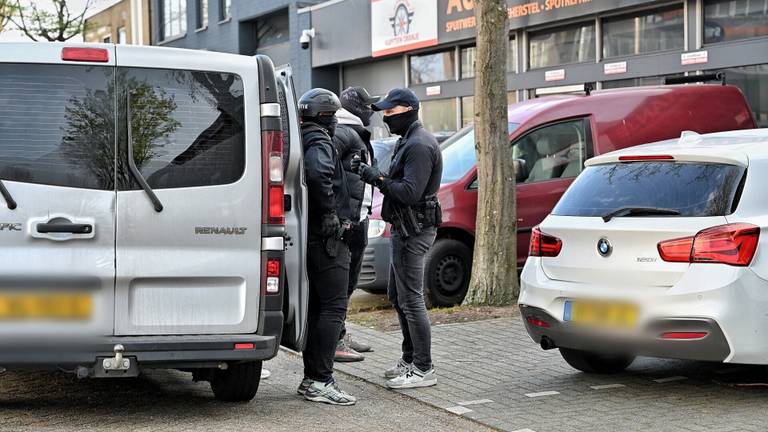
(73, 228)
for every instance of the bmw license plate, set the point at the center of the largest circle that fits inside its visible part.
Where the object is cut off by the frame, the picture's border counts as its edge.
(603, 314)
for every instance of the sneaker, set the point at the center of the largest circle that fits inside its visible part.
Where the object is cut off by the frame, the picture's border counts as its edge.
(399, 369)
(305, 383)
(346, 354)
(356, 345)
(265, 374)
(329, 393)
(414, 378)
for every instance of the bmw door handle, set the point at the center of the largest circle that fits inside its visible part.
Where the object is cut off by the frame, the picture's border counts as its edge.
(70, 228)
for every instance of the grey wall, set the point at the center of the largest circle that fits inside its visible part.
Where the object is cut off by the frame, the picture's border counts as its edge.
(343, 32)
(378, 77)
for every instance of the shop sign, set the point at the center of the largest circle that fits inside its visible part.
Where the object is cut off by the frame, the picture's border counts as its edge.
(692, 58)
(615, 68)
(434, 91)
(402, 25)
(554, 75)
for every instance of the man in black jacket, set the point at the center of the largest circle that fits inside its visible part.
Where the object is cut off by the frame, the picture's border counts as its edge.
(410, 205)
(353, 140)
(327, 252)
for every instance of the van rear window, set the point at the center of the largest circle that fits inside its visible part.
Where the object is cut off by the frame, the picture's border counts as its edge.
(57, 125)
(690, 189)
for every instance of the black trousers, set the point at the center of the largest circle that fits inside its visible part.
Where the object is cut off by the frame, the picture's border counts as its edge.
(357, 241)
(328, 284)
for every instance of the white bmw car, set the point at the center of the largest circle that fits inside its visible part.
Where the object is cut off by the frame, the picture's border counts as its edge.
(657, 250)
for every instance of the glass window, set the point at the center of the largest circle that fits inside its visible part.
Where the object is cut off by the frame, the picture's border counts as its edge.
(174, 18)
(569, 45)
(439, 115)
(187, 127)
(122, 36)
(202, 13)
(644, 32)
(459, 153)
(436, 67)
(468, 107)
(692, 189)
(107, 39)
(727, 20)
(637, 82)
(552, 152)
(225, 9)
(57, 125)
(469, 54)
(753, 82)
(272, 29)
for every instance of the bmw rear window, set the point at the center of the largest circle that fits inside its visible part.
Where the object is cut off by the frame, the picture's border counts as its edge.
(685, 189)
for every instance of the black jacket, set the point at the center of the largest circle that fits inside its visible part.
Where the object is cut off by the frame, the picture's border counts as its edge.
(326, 182)
(415, 172)
(349, 141)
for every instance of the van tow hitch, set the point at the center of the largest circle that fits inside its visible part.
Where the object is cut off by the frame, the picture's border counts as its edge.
(117, 366)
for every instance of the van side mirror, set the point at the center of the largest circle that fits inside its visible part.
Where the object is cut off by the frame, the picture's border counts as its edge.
(521, 170)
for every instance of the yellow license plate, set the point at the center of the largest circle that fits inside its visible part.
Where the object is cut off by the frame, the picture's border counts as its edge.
(45, 306)
(604, 314)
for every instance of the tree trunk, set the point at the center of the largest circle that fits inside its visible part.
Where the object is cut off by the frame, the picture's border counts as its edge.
(494, 270)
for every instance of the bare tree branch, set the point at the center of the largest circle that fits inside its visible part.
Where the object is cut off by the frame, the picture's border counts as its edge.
(57, 26)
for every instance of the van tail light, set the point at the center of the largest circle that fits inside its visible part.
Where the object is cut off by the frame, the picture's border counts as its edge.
(95, 55)
(733, 244)
(272, 274)
(544, 245)
(273, 211)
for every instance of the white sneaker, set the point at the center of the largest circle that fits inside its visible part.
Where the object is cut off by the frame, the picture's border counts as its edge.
(399, 369)
(328, 393)
(414, 378)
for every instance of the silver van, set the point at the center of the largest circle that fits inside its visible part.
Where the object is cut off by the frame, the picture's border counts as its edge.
(151, 213)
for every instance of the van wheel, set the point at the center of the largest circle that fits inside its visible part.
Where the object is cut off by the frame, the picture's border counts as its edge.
(238, 383)
(446, 273)
(591, 362)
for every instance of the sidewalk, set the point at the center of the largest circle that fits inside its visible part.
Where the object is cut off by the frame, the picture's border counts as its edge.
(491, 371)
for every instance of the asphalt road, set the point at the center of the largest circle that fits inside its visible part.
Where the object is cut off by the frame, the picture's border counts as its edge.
(164, 400)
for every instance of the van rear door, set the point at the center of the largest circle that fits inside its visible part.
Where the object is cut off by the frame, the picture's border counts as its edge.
(297, 285)
(189, 193)
(57, 144)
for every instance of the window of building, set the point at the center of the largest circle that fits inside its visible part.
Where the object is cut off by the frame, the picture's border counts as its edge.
(122, 36)
(468, 107)
(753, 82)
(174, 18)
(197, 133)
(574, 44)
(57, 125)
(727, 20)
(202, 14)
(637, 82)
(107, 39)
(225, 7)
(644, 32)
(439, 115)
(272, 37)
(468, 55)
(429, 68)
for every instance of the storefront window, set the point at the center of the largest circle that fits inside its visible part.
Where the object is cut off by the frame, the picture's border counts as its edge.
(644, 32)
(469, 54)
(727, 20)
(431, 68)
(468, 107)
(570, 45)
(637, 82)
(753, 82)
(439, 115)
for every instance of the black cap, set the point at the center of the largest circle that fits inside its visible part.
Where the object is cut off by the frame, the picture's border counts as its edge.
(395, 97)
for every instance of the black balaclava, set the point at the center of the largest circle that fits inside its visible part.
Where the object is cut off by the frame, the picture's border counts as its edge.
(399, 123)
(328, 122)
(352, 102)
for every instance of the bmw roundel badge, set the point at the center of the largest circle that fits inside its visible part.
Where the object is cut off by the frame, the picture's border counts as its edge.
(604, 247)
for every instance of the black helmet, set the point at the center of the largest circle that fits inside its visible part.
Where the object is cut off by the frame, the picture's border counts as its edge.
(318, 101)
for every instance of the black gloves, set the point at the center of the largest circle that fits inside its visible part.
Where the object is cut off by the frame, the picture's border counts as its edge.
(329, 225)
(354, 164)
(369, 174)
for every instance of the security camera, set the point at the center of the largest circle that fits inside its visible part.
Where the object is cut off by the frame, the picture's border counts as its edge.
(306, 38)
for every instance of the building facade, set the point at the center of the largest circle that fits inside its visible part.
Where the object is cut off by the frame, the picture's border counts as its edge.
(122, 21)
(554, 47)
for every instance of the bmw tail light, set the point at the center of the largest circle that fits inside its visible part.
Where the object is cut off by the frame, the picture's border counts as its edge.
(544, 245)
(732, 244)
(272, 154)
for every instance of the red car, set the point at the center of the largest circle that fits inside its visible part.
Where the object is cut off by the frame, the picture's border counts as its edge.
(552, 137)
